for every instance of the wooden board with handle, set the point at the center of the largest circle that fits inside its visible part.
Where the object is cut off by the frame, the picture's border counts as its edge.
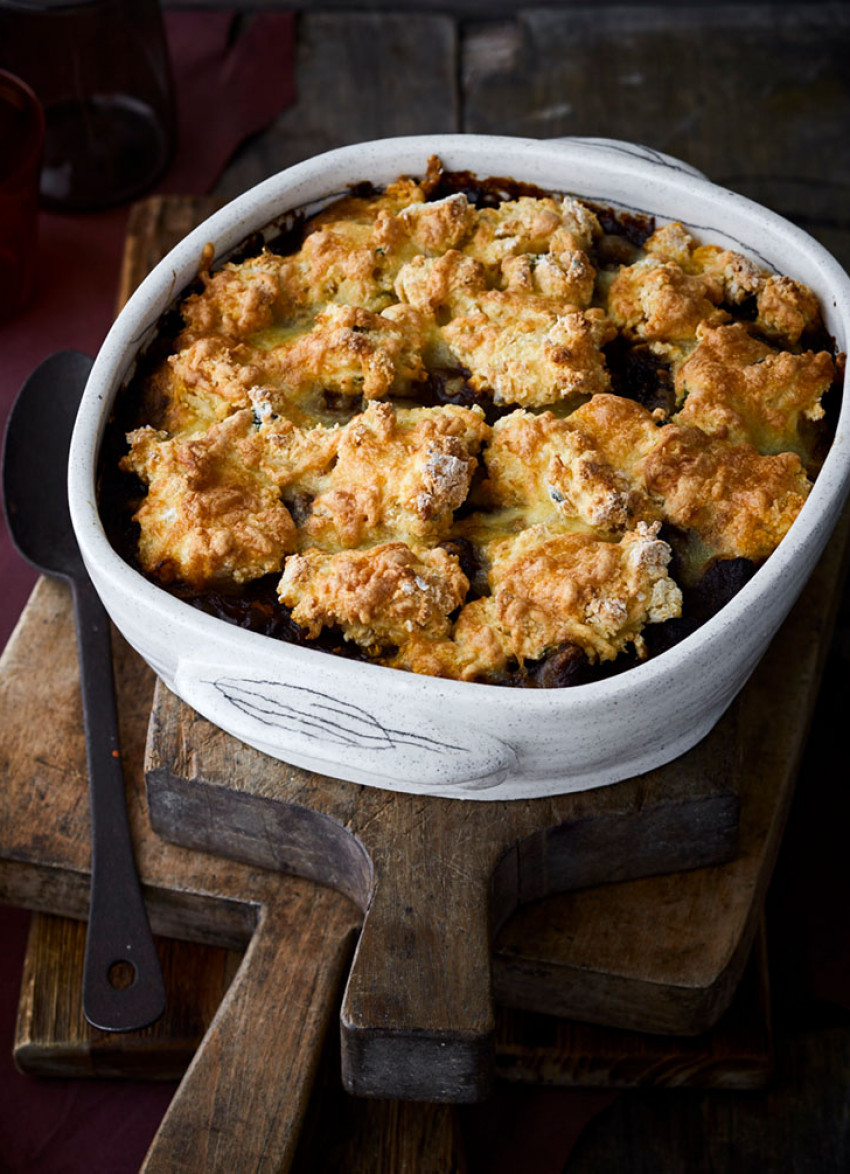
(434, 877)
(301, 935)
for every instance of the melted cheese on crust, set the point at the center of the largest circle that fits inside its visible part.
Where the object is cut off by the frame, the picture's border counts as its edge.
(552, 588)
(729, 499)
(398, 473)
(660, 302)
(549, 588)
(351, 351)
(553, 469)
(206, 380)
(530, 350)
(237, 301)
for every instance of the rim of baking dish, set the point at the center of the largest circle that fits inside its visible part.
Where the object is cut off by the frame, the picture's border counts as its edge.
(533, 161)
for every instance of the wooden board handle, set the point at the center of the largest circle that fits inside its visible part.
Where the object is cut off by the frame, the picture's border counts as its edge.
(255, 1069)
(417, 1018)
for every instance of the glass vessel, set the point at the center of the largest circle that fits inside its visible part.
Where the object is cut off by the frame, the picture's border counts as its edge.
(21, 137)
(100, 69)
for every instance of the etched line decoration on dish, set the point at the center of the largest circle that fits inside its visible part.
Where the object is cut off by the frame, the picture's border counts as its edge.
(320, 715)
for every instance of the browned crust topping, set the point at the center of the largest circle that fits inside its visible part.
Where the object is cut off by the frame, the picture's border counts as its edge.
(291, 429)
(380, 595)
(210, 515)
(736, 387)
(732, 501)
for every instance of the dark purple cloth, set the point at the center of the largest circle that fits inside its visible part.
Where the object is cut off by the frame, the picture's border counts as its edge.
(65, 1126)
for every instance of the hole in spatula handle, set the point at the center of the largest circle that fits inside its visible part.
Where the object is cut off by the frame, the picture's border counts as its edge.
(121, 975)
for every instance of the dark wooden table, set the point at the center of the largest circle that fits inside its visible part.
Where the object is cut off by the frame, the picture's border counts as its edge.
(757, 96)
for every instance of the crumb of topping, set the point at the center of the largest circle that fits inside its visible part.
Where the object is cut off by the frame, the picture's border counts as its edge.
(205, 381)
(397, 473)
(529, 350)
(731, 276)
(236, 301)
(439, 225)
(352, 264)
(444, 285)
(477, 648)
(671, 242)
(351, 351)
(623, 431)
(551, 587)
(580, 222)
(528, 225)
(553, 469)
(568, 276)
(295, 459)
(660, 302)
(786, 309)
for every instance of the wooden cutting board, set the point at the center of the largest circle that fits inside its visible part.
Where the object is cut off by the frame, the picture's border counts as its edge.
(254, 1072)
(52, 1037)
(44, 860)
(434, 877)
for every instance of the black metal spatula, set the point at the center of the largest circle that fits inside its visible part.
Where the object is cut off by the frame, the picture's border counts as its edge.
(122, 981)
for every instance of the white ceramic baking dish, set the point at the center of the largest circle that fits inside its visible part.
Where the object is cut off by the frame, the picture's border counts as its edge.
(388, 728)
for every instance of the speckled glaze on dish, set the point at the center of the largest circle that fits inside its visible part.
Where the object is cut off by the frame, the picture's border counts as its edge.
(397, 730)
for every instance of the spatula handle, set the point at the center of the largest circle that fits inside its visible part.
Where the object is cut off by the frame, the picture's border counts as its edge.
(115, 997)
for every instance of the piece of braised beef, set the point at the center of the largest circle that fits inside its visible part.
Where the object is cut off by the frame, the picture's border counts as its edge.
(640, 375)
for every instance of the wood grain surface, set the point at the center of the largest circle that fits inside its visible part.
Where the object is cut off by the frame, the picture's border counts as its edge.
(227, 1112)
(53, 1038)
(337, 105)
(434, 877)
(736, 1054)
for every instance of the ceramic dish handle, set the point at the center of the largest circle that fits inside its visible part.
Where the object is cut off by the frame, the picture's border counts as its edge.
(328, 732)
(634, 151)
